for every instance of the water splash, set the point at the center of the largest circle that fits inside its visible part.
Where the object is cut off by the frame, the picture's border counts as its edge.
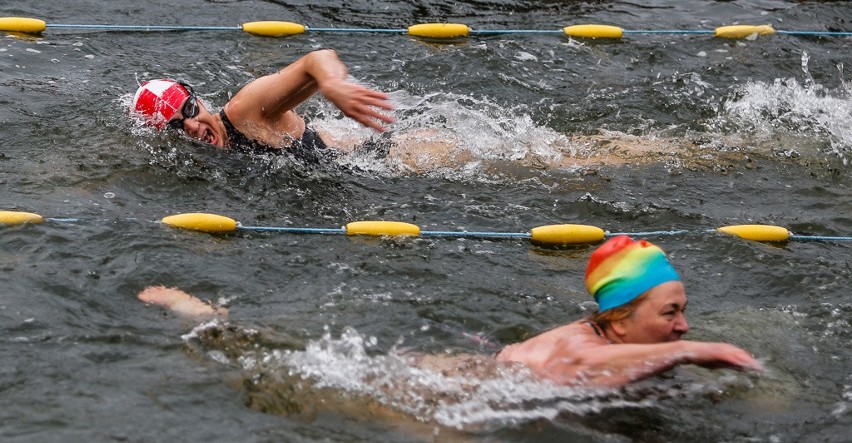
(842, 407)
(820, 118)
(482, 396)
(470, 138)
(452, 135)
(457, 401)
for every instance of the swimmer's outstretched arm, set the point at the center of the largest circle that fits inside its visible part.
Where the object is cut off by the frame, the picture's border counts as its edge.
(619, 364)
(180, 302)
(269, 97)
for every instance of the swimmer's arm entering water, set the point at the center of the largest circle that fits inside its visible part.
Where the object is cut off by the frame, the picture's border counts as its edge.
(619, 364)
(575, 355)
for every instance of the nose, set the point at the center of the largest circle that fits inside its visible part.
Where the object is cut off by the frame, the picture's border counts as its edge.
(191, 126)
(681, 324)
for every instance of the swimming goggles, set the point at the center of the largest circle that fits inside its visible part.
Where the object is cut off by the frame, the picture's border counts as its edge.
(188, 110)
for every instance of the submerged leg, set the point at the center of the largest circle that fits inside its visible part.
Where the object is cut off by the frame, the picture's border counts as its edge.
(179, 302)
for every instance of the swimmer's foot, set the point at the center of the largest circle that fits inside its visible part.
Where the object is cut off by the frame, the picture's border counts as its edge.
(179, 302)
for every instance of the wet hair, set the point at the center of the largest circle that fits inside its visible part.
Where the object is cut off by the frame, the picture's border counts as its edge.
(605, 318)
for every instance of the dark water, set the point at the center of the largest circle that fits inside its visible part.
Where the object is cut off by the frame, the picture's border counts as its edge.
(768, 119)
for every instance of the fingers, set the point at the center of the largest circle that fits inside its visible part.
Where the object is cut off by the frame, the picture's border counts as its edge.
(751, 363)
(742, 360)
(724, 355)
(379, 100)
(369, 117)
(361, 104)
(366, 113)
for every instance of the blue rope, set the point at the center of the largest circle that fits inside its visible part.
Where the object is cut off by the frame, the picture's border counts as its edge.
(647, 233)
(817, 33)
(669, 31)
(292, 230)
(148, 27)
(515, 31)
(476, 234)
(378, 30)
(818, 238)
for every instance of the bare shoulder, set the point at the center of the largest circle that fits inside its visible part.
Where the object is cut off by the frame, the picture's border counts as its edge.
(245, 102)
(560, 342)
(577, 336)
(578, 331)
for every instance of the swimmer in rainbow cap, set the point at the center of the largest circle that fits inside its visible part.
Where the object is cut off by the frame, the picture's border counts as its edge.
(636, 332)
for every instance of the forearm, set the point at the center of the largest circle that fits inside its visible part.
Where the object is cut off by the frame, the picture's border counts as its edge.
(272, 95)
(616, 365)
(324, 67)
(312, 73)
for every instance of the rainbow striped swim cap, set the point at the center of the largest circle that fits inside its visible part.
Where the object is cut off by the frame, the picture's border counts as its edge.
(622, 269)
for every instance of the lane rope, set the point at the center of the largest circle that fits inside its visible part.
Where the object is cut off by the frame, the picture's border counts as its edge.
(273, 28)
(559, 234)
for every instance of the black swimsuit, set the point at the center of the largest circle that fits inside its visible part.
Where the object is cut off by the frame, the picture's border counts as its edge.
(310, 148)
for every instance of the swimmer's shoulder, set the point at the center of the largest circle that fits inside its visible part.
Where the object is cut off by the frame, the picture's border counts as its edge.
(550, 342)
(582, 327)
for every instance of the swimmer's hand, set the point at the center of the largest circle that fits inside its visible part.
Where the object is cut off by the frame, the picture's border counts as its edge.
(721, 355)
(179, 302)
(358, 103)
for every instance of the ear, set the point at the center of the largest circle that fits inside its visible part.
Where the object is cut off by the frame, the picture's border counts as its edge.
(619, 328)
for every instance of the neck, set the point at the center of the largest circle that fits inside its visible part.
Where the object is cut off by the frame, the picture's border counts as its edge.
(219, 127)
(612, 336)
(606, 332)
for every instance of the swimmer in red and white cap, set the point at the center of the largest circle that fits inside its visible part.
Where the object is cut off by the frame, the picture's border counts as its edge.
(261, 117)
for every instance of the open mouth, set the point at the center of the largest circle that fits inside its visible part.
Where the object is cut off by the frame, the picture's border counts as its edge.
(208, 136)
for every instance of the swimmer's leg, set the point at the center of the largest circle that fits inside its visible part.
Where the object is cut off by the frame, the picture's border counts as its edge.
(424, 150)
(180, 302)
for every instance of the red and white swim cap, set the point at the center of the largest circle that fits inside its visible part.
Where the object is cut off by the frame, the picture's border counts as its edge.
(157, 101)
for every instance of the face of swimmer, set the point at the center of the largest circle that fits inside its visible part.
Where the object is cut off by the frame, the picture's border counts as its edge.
(198, 123)
(659, 318)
